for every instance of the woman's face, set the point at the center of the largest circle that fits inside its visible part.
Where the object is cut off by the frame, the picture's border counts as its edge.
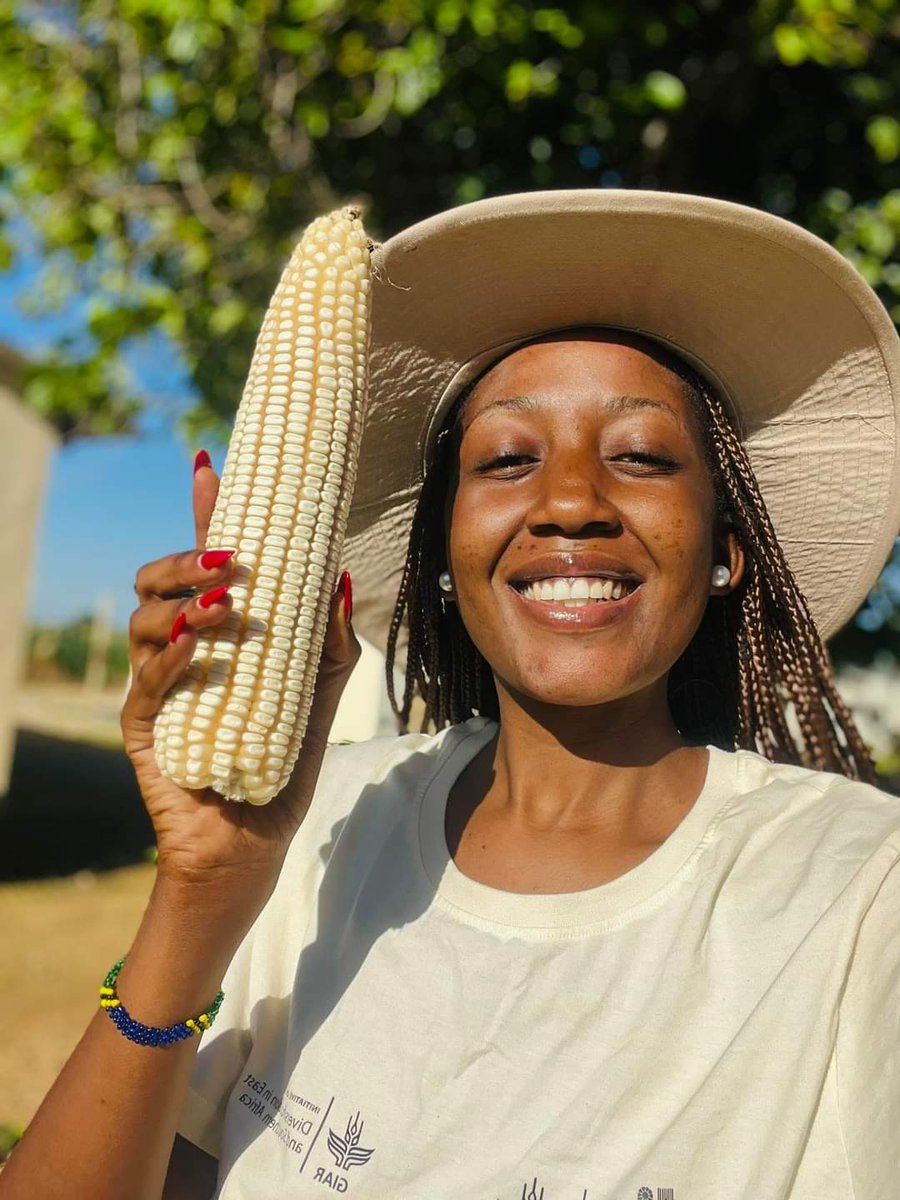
(582, 530)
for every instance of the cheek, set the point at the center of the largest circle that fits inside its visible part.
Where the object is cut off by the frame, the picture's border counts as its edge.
(677, 549)
(478, 531)
(679, 528)
(462, 540)
(679, 537)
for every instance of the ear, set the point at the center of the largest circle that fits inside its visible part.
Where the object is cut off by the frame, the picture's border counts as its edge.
(728, 552)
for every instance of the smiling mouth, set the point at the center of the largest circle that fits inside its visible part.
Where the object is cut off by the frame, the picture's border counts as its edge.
(577, 592)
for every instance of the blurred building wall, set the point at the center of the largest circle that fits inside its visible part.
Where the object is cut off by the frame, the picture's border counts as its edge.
(873, 694)
(25, 446)
(365, 710)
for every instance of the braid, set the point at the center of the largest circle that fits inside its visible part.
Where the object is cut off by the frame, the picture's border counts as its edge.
(784, 676)
(756, 674)
(442, 663)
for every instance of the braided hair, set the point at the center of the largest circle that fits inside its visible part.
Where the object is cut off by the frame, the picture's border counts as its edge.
(756, 674)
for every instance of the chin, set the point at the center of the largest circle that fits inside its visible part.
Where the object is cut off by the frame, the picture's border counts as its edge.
(580, 692)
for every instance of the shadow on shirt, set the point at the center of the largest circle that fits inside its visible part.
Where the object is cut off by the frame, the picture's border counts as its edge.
(374, 882)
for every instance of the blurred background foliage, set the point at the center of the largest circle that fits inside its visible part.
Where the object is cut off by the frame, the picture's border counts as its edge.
(167, 152)
(61, 653)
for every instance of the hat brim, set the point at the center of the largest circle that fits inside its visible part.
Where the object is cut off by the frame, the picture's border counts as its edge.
(778, 320)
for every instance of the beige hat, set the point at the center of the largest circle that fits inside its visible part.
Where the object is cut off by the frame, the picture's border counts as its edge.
(775, 318)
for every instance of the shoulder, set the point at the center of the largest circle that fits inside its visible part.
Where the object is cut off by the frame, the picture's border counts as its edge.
(407, 757)
(819, 795)
(803, 815)
(371, 777)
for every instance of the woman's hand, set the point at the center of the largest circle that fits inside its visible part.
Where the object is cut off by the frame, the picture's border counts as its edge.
(200, 835)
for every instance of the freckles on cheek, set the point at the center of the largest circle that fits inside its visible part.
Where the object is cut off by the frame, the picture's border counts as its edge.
(465, 562)
(669, 542)
(478, 535)
(465, 540)
(680, 534)
(669, 545)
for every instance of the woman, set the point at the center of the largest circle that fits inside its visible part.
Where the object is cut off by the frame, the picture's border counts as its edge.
(584, 941)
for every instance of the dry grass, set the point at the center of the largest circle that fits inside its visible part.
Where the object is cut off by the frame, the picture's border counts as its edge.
(60, 937)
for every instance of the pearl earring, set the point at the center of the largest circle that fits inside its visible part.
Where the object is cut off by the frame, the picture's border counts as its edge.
(444, 582)
(721, 576)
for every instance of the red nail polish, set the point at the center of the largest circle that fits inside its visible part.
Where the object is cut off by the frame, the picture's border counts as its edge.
(211, 559)
(208, 599)
(345, 587)
(201, 459)
(179, 624)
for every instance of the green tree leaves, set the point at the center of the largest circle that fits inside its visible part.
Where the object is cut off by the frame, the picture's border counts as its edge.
(167, 152)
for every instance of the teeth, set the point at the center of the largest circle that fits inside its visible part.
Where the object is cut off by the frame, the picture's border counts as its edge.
(575, 593)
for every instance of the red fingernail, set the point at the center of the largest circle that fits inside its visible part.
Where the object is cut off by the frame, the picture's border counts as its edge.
(201, 459)
(210, 598)
(345, 588)
(179, 624)
(211, 559)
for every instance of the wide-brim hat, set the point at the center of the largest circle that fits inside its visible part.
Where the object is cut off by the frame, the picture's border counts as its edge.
(791, 335)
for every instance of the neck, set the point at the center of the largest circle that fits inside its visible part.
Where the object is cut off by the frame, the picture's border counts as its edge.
(621, 767)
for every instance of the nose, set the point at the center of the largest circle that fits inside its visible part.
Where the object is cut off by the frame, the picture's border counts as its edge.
(574, 495)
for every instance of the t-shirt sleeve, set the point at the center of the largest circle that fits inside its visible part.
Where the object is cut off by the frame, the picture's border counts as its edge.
(868, 1046)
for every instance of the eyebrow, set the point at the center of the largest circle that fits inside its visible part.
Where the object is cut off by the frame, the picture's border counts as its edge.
(614, 404)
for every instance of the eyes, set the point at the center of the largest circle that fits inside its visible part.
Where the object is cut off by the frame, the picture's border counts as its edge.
(635, 462)
(502, 462)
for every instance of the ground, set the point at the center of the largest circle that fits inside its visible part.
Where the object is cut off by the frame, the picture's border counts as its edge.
(74, 880)
(60, 937)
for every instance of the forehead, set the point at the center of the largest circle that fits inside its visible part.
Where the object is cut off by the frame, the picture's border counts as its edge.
(581, 366)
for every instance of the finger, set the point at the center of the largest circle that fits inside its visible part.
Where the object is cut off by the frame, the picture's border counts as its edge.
(157, 674)
(175, 573)
(341, 652)
(150, 627)
(155, 671)
(176, 626)
(341, 646)
(206, 489)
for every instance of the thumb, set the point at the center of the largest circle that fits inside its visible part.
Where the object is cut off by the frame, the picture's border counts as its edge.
(341, 647)
(340, 654)
(204, 495)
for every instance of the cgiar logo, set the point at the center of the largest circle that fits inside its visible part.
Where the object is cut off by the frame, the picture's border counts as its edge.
(347, 1150)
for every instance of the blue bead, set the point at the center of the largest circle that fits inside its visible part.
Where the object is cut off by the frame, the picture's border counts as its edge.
(147, 1035)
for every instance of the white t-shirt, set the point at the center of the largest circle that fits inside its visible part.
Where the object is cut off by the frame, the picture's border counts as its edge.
(722, 1022)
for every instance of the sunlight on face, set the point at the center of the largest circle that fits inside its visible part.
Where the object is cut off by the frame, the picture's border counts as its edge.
(580, 457)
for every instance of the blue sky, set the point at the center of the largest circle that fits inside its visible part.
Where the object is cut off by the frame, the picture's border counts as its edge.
(110, 503)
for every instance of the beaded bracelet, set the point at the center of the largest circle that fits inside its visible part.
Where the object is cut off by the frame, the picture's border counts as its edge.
(149, 1035)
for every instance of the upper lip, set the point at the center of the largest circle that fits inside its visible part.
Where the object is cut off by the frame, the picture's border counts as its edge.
(569, 564)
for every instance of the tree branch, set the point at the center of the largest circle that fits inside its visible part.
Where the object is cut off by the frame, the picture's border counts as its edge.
(230, 228)
(131, 87)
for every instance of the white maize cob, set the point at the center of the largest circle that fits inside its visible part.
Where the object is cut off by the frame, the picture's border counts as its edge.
(236, 719)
